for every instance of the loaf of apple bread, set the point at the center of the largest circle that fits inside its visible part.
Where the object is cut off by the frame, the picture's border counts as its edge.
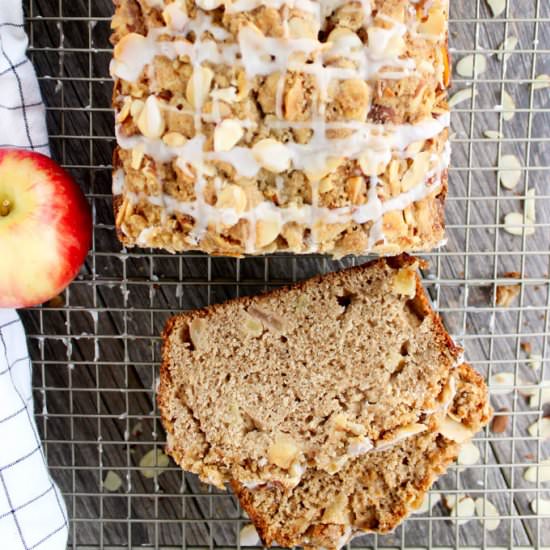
(261, 389)
(374, 492)
(248, 127)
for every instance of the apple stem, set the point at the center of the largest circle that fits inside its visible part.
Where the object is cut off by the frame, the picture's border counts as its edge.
(5, 207)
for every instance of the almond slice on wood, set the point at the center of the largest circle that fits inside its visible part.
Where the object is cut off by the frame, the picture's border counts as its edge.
(516, 225)
(502, 383)
(471, 65)
(469, 454)
(510, 170)
(508, 45)
(540, 428)
(497, 6)
(153, 462)
(463, 509)
(529, 205)
(542, 81)
(493, 134)
(112, 481)
(540, 472)
(541, 506)
(486, 509)
(461, 95)
(508, 106)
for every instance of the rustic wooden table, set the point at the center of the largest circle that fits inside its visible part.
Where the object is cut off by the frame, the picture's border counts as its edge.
(96, 353)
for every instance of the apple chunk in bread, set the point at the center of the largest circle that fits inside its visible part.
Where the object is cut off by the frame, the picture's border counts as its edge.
(45, 228)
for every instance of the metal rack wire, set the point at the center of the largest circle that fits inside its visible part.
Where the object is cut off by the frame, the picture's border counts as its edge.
(96, 348)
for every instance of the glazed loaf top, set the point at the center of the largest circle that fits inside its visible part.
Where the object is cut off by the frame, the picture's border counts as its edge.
(251, 127)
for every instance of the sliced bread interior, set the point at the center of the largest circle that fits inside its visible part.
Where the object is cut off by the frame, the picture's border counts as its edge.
(259, 389)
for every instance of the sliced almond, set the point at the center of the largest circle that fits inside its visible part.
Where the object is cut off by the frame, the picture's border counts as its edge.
(540, 472)
(472, 65)
(112, 481)
(449, 501)
(209, 5)
(272, 155)
(469, 454)
(137, 156)
(429, 501)
(136, 107)
(463, 509)
(493, 134)
(508, 45)
(125, 110)
(249, 536)
(174, 139)
(175, 15)
(153, 462)
(529, 205)
(516, 225)
(461, 96)
(198, 86)
(502, 383)
(497, 6)
(534, 360)
(455, 431)
(227, 134)
(539, 398)
(540, 428)
(541, 506)
(542, 81)
(229, 95)
(151, 120)
(267, 230)
(508, 106)
(510, 170)
(486, 509)
(232, 196)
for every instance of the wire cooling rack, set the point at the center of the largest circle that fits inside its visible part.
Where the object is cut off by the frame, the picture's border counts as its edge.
(96, 348)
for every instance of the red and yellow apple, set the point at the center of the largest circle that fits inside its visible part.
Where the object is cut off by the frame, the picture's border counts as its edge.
(45, 228)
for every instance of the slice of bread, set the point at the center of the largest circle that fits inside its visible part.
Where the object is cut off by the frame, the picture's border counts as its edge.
(374, 492)
(260, 389)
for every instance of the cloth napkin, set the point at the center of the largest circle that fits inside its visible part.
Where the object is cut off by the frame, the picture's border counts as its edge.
(32, 511)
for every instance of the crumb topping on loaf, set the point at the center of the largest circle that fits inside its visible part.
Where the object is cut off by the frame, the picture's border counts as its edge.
(251, 127)
(260, 389)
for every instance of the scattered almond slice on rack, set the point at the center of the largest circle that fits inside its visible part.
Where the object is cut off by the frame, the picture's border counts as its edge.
(463, 509)
(510, 170)
(493, 134)
(487, 510)
(539, 397)
(502, 383)
(461, 96)
(542, 81)
(430, 500)
(540, 472)
(249, 536)
(529, 205)
(112, 481)
(500, 421)
(508, 106)
(153, 462)
(508, 45)
(497, 6)
(534, 361)
(516, 225)
(541, 506)
(469, 454)
(471, 65)
(540, 428)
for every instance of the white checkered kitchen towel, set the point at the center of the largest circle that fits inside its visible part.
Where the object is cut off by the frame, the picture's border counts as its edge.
(32, 511)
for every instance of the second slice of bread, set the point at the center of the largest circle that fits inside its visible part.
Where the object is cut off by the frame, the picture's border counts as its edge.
(260, 389)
